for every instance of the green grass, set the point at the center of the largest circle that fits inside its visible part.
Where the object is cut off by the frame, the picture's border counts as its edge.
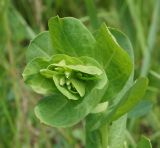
(21, 20)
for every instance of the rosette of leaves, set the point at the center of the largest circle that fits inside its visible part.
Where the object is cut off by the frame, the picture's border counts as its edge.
(75, 70)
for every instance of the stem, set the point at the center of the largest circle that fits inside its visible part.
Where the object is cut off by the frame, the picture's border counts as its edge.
(97, 138)
(104, 135)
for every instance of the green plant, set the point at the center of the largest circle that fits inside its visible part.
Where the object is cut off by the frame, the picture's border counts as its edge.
(84, 76)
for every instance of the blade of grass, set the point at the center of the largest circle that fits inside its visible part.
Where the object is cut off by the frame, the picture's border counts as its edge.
(138, 24)
(90, 6)
(151, 39)
(12, 71)
(130, 138)
(155, 74)
(24, 23)
(8, 116)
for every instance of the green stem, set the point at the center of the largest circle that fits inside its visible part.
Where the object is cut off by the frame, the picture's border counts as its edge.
(97, 138)
(104, 135)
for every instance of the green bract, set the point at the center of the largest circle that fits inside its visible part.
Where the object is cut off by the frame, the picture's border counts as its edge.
(73, 77)
(76, 70)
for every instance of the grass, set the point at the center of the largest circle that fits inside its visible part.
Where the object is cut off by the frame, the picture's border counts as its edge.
(21, 21)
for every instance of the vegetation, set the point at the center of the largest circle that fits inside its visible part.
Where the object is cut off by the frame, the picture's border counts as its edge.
(21, 21)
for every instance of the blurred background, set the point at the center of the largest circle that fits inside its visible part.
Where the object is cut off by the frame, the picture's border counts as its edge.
(22, 20)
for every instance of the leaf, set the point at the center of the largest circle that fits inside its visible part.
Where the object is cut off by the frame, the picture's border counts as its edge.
(92, 70)
(69, 36)
(132, 97)
(118, 127)
(105, 116)
(63, 90)
(126, 103)
(143, 108)
(32, 76)
(144, 143)
(115, 61)
(79, 86)
(58, 111)
(117, 133)
(40, 47)
(100, 107)
(44, 77)
(123, 41)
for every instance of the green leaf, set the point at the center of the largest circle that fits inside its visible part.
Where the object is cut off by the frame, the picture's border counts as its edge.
(126, 103)
(143, 108)
(92, 70)
(118, 127)
(45, 75)
(123, 41)
(101, 107)
(117, 133)
(79, 86)
(33, 78)
(144, 143)
(115, 61)
(132, 97)
(59, 111)
(105, 116)
(63, 90)
(126, 45)
(40, 47)
(54, 109)
(69, 36)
